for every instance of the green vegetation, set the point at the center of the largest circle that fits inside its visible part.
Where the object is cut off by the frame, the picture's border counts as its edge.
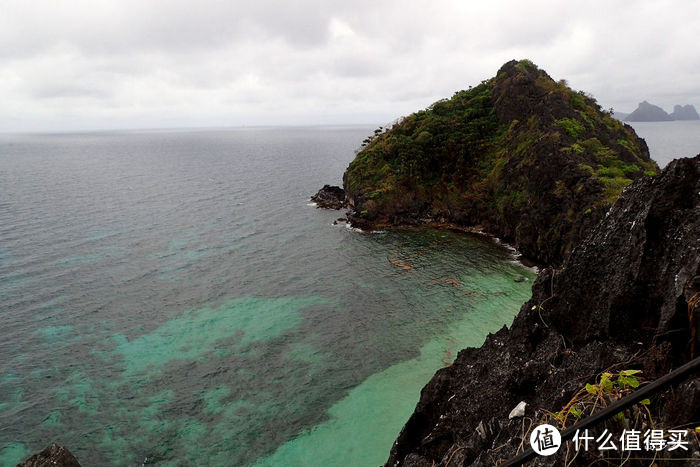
(611, 387)
(571, 127)
(492, 154)
(429, 149)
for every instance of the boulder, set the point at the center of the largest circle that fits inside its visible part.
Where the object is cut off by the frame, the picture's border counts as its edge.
(330, 197)
(52, 456)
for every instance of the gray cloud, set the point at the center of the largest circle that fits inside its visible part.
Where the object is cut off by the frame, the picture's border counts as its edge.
(102, 64)
(63, 90)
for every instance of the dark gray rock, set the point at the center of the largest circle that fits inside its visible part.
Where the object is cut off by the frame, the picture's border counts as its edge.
(330, 197)
(52, 456)
(627, 295)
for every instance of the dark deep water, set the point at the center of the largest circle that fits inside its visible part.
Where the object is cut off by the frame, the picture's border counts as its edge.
(170, 298)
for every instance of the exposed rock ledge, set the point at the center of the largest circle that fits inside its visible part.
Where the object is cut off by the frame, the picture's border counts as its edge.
(622, 299)
(330, 197)
(52, 456)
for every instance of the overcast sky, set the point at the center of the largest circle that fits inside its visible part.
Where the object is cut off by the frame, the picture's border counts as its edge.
(72, 65)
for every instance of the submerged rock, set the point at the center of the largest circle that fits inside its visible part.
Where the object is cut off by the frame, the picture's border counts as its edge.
(627, 298)
(330, 197)
(52, 456)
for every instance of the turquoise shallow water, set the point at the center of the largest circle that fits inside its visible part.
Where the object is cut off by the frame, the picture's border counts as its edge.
(169, 298)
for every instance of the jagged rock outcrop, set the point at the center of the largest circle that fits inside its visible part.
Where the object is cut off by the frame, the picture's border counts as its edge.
(628, 298)
(52, 456)
(526, 158)
(684, 112)
(646, 112)
(330, 197)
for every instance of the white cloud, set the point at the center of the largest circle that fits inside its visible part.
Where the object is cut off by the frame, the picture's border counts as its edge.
(105, 64)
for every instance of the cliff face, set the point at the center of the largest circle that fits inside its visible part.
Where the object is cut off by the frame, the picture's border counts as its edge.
(521, 155)
(626, 299)
(646, 112)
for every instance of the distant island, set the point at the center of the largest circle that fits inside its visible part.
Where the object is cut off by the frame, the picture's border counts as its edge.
(646, 112)
(684, 112)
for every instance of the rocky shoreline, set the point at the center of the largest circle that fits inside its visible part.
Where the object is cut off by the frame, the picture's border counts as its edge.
(330, 197)
(626, 300)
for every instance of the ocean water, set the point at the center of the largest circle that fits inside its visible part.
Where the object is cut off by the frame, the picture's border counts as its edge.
(670, 140)
(171, 298)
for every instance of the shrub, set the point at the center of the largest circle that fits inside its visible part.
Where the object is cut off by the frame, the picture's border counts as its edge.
(571, 127)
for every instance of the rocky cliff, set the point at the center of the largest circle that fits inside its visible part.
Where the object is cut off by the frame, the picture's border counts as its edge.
(627, 299)
(525, 157)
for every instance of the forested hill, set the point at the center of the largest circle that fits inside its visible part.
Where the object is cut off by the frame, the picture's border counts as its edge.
(524, 156)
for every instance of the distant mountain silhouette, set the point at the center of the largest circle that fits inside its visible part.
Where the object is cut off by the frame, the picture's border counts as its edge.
(647, 112)
(685, 112)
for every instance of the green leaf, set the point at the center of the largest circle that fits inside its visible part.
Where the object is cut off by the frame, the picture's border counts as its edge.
(630, 381)
(605, 382)
(645, 402)
(576, 412)
(592, 389)
(618, 417)
(629, 372)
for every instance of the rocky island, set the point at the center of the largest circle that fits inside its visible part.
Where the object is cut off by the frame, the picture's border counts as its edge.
(684, 112)
(522, 156)
(532, 161)
(646, 112)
